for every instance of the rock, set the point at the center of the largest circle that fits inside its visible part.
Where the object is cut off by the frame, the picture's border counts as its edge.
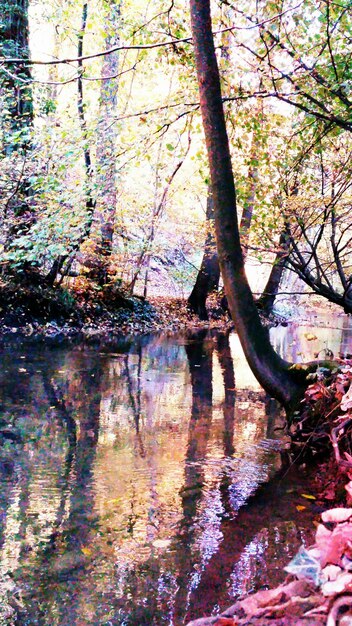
(337, 515)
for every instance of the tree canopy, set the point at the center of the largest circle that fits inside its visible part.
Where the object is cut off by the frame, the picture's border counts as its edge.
(103, 160)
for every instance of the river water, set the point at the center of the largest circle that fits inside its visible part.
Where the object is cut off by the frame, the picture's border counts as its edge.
(135, 492)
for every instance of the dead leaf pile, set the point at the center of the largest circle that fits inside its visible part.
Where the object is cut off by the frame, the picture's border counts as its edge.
(325, 421)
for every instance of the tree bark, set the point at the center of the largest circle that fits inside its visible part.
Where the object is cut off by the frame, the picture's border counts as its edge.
(64, 262)
(105, 210)
(209, 271)
(17, 116)
(271, 289)
(272, 371)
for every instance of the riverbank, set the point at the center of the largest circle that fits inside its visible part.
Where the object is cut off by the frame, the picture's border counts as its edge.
(29, 309)
(317, 589)
(57, 316)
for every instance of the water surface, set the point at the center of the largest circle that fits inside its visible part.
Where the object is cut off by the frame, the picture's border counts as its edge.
(129, 499)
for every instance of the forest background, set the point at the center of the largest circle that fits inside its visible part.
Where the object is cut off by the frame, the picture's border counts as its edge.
(104, 174)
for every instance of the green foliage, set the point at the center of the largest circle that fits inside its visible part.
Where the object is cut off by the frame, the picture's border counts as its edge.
(139, 122)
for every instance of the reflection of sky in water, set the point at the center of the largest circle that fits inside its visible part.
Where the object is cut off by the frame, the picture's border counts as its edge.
(130, 520)
(243, 569)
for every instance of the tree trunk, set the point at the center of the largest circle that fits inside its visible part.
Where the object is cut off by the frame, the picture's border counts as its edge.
(17, 112)
(272, 371)
(17, 98)
(271, 289)
(106, 143)
(209, 271)
(64, 262)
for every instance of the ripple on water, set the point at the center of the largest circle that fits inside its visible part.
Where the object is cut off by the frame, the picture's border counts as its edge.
(129, 499)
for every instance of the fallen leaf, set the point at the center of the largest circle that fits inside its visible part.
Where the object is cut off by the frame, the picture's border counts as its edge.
(341, 584)
(346, 400)
(310, 336)
(300, 507)
(114, 501)
(86, 551)
(338, 544)
(308, 496)
(322, 535)
(331, 572)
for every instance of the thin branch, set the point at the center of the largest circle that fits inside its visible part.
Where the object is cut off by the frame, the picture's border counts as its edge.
(151, 46)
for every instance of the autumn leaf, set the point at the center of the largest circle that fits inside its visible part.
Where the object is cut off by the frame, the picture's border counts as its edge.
(310, 336)
(346, 400)
(308, 496)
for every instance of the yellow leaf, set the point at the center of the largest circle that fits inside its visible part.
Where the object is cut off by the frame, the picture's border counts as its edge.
(86, 551)
(300, 507)
(115, 501)
(310, 336)
(308, 496)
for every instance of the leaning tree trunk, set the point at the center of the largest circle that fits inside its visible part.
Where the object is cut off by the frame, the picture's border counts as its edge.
(209, 271)
(272, 371)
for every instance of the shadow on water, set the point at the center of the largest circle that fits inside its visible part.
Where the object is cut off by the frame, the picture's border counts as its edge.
(137, 487)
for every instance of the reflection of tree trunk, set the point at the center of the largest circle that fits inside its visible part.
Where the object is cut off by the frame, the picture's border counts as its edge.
(270, 506)
(226, 364)
(64, 558)
(135, 398)
(66, 420)
(209, 271)
(200, 359)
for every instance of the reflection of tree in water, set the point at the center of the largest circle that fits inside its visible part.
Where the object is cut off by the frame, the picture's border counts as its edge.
(65, 561)
(159, 589)
(135, 396)
(200, 359)
(226, 364)
(23, 398)
(200, 356)
(202, 580)
(51, 577)
(66, 579)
